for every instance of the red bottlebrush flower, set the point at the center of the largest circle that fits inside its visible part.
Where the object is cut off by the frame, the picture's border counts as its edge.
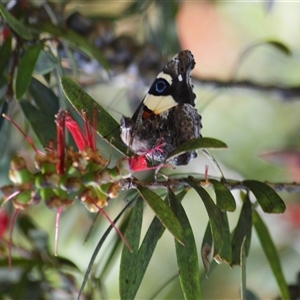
(76, 133)
(4, 222)
(61, 170)
(90, 133)
(82, 138)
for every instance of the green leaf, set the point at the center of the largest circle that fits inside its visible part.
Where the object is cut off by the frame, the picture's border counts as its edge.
(43, 126)
(5, 54)
(153, 234)
(267, 198)
(45, 99)
(45, 63)
(206, 248)
(130, 272)
(243, 269)
(279, 46)
(25, 70)
(187, 257)
(224, 198)
(271, 254)
(242, 231)
(14, 24)
(163, 212)
(194, 144)
(218, 223)
(107, 127)
(74, 40)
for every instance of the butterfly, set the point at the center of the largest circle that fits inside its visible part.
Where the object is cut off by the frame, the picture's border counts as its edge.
(167, 115)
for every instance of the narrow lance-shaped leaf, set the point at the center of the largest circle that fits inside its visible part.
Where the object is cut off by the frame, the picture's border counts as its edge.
(271, 254)
(16, 25)
(130, 271)
(218, 223)
(194, 144)
(267, 198)
(243, 269)
(163, 212)
(25, 69)
(43, 127)
(206, 248)
(187, 257)
(242, 231)
(224, 198)
(45, 99)
(226, 253)
(5, 54)
(153, 234)
(107, 126)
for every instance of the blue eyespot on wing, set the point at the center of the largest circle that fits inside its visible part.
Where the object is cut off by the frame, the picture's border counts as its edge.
(160, 87)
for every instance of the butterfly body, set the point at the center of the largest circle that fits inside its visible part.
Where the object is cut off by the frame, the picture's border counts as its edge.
(167, 115)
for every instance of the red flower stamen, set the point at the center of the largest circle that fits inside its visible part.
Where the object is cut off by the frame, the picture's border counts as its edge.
(60, 136)
(75, 131)
(89, 130)
(82, 138)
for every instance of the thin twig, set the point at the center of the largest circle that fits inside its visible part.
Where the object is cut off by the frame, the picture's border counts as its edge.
(127, 184)
(283, 92)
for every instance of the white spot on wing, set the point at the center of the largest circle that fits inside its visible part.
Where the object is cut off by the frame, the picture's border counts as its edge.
(180, 77)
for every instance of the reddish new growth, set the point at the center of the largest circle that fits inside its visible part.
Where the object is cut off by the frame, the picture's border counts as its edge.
(4, 223)
(139, 163)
